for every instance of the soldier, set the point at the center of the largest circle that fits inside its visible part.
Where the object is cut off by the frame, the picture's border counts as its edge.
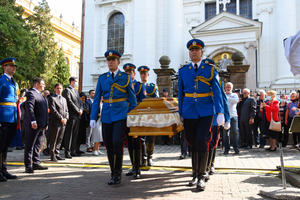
(8, 113)
(199, 98)
(151, 92)
(118, 99)
(133, 144)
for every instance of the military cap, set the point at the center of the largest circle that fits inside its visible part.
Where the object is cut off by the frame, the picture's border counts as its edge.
(8, 61)
(112, 54)
(195, 44)
(143, 69)
(129, 67)
(165, 90)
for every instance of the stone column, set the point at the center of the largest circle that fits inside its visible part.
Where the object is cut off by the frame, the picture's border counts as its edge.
(164, 76)
(238, 71)
(251, 74)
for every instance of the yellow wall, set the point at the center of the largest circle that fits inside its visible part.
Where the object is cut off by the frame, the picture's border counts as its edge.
(66, 36)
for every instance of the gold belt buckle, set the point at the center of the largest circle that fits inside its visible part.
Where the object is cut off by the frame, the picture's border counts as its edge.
(110, 100)
(195, 95)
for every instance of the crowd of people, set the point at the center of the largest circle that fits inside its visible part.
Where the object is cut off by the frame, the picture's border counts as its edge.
(69, 119)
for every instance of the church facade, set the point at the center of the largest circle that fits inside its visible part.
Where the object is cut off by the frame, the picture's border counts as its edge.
(143, 31)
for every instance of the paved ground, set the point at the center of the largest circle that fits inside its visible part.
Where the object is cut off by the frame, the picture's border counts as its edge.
(90, 183)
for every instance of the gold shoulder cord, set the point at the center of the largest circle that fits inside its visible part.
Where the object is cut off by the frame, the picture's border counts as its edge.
(118, 87)
(150, 94)
(140, 88)
(205, 80)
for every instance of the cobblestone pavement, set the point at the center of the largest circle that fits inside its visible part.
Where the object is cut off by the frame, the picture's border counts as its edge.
(90, 183)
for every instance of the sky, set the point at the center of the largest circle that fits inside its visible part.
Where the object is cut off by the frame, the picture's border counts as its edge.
(70, 10)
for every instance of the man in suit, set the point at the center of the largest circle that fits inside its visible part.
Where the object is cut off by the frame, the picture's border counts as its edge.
(75, 111)
(58, 118)
(35, 122)
(8, 113)
(118, 99)
(248, 112)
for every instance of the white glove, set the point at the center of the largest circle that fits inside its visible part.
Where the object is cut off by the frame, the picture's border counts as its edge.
(220, 119)
(93, 123)
(227, 125)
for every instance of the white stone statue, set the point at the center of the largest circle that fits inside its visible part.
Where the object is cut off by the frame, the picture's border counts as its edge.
(224, 63)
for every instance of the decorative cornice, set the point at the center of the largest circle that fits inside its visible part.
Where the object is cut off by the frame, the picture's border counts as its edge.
(106, 2)
(268, 10)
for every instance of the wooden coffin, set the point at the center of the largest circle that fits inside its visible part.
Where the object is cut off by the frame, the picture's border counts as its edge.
(155, 116)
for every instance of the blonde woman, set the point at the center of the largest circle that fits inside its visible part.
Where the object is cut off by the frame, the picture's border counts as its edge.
(272, 112)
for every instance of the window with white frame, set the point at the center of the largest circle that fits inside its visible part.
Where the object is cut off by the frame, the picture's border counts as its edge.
(115, 32)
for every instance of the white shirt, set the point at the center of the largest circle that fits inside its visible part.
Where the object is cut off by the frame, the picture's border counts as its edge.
(198, 64)
(8, 76)
(232, 99)
(115, 72)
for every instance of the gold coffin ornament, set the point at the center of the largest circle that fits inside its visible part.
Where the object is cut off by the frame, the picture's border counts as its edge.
(155, 116)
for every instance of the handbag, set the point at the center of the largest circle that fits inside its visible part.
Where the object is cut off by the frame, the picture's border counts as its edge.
(275, 126)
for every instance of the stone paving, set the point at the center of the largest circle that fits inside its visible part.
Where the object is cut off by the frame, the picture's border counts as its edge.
(90, 183)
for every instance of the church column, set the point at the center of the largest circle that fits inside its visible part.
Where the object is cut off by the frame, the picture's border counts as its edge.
(238, 7)
(217, 7)
(251, 57)
(286, 26)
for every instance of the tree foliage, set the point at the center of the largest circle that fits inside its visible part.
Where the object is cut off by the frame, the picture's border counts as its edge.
(31, 41)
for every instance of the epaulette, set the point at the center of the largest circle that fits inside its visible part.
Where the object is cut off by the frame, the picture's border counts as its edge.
(209, 61)
(103, 74)
(182, 66)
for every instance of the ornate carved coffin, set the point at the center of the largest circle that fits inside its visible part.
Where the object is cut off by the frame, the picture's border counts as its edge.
(155, 116)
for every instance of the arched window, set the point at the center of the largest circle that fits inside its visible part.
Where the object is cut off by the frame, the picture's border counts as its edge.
(115, 33)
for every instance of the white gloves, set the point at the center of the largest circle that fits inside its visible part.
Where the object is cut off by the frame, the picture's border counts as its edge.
(227, 125)
(220, 119)
(93, 123)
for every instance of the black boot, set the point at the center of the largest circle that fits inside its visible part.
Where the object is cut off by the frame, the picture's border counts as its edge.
(212, 167)
(144, 157)
(118, 168)
(137, 159)
(150, 149)
(202, 164)
(111, 161)
(194, 167)
(2, 177)
(5, 173)
(206, 176)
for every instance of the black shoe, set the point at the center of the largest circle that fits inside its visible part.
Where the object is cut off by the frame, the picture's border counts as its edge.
(46, 152)
(79, 152)
(212, 170)
(117, 180)
(39, 167)
(75, 154)
(68, 156)
(19, 148)
(137, 174)
(53, 158)
(2, 178)
(59, 158)
(8, 175)
(111, 181)
(130, 172)
(149, 162)
(226, 152)
(193, 182)
(143, 163)
(273, 149)
(201, 184)
(206, 176)
(29, 170)
(181, 157)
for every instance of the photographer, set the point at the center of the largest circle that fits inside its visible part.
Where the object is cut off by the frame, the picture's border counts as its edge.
(258, 121)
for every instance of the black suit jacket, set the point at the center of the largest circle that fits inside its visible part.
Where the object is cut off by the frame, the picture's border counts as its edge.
(58, 110)
(248, 109)
(36, 109)
(73, 101)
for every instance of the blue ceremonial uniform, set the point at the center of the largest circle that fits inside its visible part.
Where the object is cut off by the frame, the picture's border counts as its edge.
(139, 89)
(118, 97)
(199, 93)
(8, 99)
(151, 90)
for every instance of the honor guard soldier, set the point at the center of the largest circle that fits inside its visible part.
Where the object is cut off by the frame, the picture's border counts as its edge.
(133, 144)
(151, 92)
(118, 99)
(216, 130)
(199, 98)
(8, 113)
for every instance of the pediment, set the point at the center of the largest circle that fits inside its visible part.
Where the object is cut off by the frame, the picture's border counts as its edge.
(226, 21)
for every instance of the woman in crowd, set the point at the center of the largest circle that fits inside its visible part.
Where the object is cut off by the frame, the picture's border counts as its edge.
(290, 113)
(282, 111)
(84, 122)
(97, 135)
(272, 112)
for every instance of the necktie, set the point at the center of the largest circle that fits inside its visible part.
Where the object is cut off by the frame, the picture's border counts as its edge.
(60, 100)
(196, 67)
(12, 80)
(112, 75)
